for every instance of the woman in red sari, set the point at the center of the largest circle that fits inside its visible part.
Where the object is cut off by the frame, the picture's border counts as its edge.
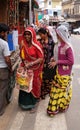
(31, 53)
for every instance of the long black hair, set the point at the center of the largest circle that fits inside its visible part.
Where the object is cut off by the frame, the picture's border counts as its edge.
(44, 31)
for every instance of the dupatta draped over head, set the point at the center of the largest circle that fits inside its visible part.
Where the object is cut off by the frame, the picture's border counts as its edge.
(63, 32)
(31, 54)
(34, 40)
(52, 33)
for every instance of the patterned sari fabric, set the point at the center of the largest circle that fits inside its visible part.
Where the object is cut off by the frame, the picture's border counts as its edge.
(60, 95)
(48, 74)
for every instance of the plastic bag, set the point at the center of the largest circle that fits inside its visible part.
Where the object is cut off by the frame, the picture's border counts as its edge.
(24, 79)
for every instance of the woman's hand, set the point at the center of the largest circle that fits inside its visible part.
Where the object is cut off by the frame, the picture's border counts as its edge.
(27, 65)
(52, 59)
(52, 64)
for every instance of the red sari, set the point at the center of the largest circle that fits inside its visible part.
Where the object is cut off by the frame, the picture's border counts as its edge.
(30, 54)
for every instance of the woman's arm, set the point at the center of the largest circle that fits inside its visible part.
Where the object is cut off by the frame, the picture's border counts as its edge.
(32, 63)
(68, 61)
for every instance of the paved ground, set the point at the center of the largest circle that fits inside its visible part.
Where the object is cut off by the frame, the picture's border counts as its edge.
(16, 119)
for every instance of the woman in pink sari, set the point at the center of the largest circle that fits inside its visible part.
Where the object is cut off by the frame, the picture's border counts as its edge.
(31, 53)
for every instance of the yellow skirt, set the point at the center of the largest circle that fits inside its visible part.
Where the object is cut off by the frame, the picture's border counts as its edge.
(60, 94)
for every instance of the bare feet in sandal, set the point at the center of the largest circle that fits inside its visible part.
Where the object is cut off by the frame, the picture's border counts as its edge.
(33, 110)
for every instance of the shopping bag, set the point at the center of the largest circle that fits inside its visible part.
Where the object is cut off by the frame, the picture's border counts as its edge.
(24, 79)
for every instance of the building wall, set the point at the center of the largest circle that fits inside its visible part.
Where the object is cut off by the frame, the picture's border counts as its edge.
(77, 7)
(66, 9)
(3, 11)
(55, 5)
(71, 7)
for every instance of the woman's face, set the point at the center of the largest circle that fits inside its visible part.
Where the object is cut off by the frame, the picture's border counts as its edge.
(42, 36)
(59, 38)
(28, 36)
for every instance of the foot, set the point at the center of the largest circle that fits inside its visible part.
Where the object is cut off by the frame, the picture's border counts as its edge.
(2, 112)
(43, 97)
(64, 110)
(33, 110)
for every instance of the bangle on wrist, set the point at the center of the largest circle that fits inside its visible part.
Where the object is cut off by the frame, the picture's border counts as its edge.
(32, 63)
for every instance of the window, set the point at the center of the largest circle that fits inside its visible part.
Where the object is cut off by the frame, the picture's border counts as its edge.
(49, 2)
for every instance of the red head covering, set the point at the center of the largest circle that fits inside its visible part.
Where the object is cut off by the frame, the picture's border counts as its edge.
(33, 33)
(34, 40)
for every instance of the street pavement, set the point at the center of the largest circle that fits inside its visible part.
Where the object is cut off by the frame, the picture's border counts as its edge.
(44, 122)
(17, 119)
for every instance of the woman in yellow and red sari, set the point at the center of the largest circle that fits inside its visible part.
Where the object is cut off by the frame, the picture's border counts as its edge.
(31, 53)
